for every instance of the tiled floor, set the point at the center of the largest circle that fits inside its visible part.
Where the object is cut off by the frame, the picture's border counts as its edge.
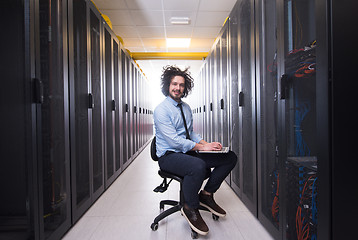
(127, 209)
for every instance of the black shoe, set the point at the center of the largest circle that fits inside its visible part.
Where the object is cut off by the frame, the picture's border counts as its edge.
(195, 220)
(209, 202)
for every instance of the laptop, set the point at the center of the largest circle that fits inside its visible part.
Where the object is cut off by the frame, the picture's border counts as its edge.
(223, 150)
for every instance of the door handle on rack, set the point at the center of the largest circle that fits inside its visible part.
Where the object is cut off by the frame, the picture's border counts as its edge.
(90, 101)
(113, 105)
(222, 103)
(241, 99)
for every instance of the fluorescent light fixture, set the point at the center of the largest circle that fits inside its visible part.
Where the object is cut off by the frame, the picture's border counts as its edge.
(179, 20)
(178, 42)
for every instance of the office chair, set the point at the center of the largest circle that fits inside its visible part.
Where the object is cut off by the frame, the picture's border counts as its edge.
(176, 205)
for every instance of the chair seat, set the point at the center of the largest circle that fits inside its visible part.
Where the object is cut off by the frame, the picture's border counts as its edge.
(165, 174)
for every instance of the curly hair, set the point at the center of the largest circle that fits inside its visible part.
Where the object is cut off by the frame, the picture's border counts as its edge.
(169, 72)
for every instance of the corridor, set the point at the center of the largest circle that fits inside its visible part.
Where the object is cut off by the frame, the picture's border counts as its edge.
(127, 209)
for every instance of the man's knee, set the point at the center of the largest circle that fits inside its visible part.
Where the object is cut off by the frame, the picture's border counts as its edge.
(233, 158)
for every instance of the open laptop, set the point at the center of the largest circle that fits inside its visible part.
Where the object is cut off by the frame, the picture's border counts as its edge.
(223, 150)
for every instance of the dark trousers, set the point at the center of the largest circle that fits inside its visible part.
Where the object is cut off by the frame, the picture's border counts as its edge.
(193, 167)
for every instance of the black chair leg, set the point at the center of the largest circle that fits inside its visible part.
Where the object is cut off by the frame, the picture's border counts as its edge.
(167, 213)
(168, 202)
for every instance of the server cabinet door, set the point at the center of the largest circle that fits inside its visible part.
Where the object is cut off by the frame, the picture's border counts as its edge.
(236, 179)
(268, 120)
(124, 103)
(217, 92)
(135, 106)
(97, 114)
(205, 102)
(245, 171)
(79, 109)
(298, 94)
(19, 208)
(53, 121)
(117, 107)
(130, 109)
(211, 74)
(223, 99)
(248, 116)
(110, 105)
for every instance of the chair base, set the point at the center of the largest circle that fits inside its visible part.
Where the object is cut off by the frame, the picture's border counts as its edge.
(176, 207)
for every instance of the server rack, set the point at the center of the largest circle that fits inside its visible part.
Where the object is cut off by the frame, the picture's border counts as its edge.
(34, 143)
(125, 106)
(217, 89)
(112, 93)
(269, 174)
(224, 98)
(62, 130)
(302, 149)
(86, 87)
(118, 124)
(243, 110)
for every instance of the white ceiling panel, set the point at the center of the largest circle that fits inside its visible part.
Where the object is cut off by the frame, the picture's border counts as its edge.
(154, 43)
(144, 4)
(179, 31)
(182, 5)
(147, 18)
(151, 32)
(216, 5)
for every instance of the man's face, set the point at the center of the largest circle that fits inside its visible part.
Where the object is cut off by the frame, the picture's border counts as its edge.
(176, 88)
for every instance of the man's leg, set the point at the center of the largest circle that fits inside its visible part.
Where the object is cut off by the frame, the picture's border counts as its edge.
(222, 164)
(193, 170)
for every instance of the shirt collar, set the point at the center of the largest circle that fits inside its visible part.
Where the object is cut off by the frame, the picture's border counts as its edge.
(172, 101)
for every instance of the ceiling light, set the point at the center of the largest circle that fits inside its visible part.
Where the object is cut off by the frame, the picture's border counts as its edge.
(178, 42)
(179, 20)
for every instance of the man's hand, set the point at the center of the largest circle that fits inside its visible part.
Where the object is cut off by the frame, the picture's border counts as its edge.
(204, 146)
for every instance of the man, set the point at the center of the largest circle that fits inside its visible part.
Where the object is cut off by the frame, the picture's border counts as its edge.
(176, 143)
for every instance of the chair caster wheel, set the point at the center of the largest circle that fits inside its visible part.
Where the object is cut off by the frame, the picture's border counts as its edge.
(194, 235)
(215, 217)
(154, 226)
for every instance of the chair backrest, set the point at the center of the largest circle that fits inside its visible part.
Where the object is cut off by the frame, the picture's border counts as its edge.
(153, 150)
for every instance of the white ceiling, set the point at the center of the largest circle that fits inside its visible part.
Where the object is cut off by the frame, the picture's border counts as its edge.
(144, 24)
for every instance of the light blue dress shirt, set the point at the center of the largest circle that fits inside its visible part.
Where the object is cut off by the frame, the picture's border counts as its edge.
(169, 128)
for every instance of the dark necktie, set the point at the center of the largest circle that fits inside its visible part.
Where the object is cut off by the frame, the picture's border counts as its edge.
(182, 114)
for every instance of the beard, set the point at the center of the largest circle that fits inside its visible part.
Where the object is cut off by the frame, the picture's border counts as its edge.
(176, 95)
